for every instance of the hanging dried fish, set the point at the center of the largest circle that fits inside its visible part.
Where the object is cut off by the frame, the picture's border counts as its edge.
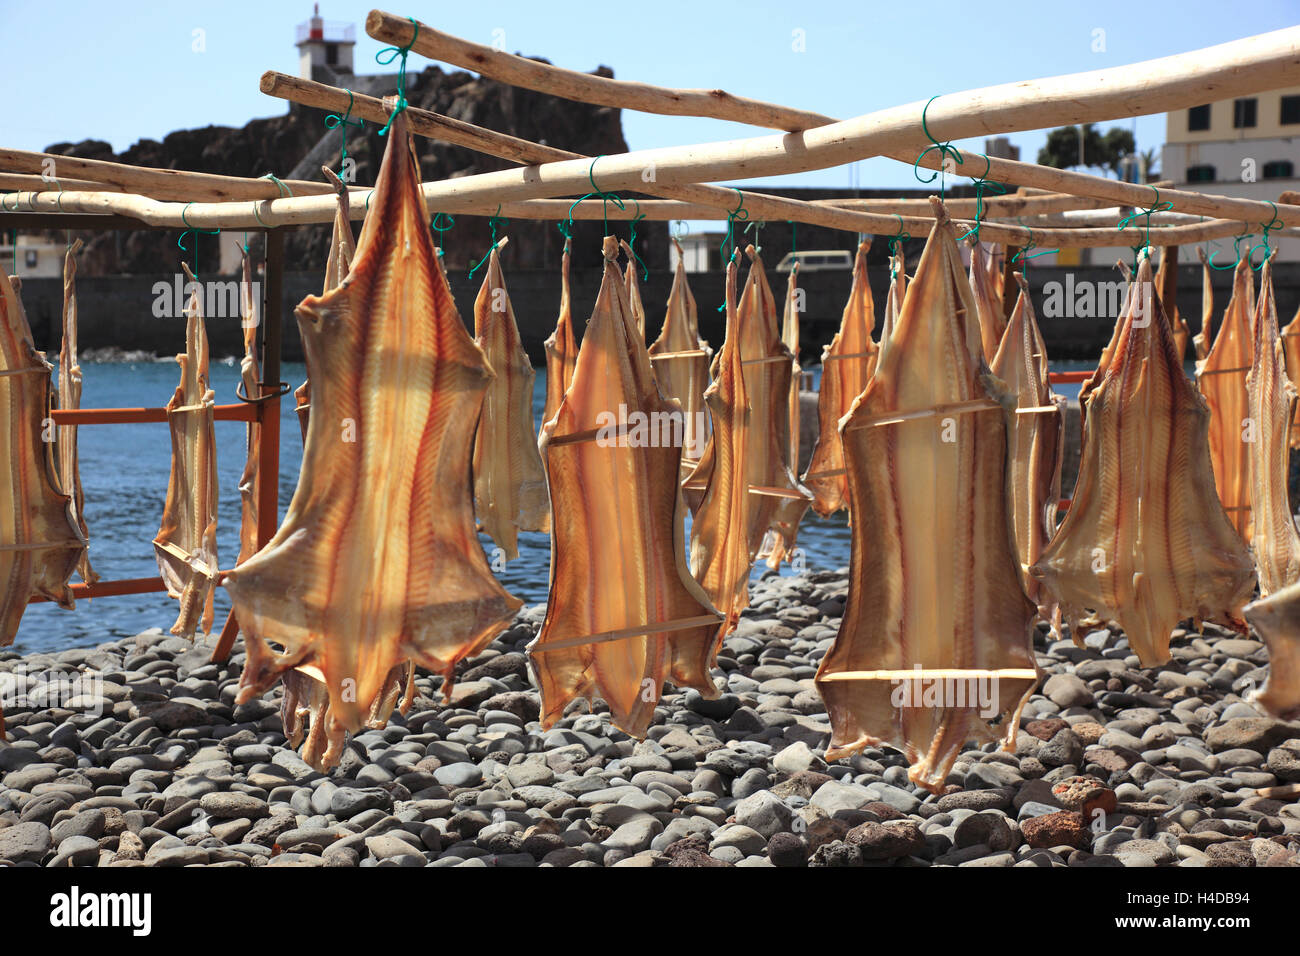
(935, 646)
(1036, 438)
(623, 615)
(250, 375)
(561, 347)
(1291, 351)
(633, 289)
(69, 398)
(342, 248)
(1202, 339)
(186, 543)
(509, 486)
(773, 550)
(680, 359)
(747, 486)
(1277, 619)
(848, 363)
(1276, 544)
(377, 563)
(1146, 542)
(40, 540)
(988, 304)
(1222, 380)
(893, 302)
(1167, 289)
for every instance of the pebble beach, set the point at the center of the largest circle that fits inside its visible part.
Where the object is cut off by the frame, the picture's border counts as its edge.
(157, 767)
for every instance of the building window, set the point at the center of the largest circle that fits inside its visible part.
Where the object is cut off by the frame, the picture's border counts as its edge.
(1200, 174)
(30, 258)
(1243, 113)
(1198, 118)
(331, 53)
(1279, 169)
(1290, 110)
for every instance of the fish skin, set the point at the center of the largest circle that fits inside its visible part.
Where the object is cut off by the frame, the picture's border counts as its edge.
(1145, 504)
(250, 374)
(934, 576)
(988, 301)
(617, 538)
(1167, 289)
(1272, 402)
(748, 448)
(1221, 378)
(1277, 619)
(186, 543)
(1037, 441)
(561, 347)
(34, 510)
(683, 378)
(69, 397)
(377, 563)
(509, 485)
(774, 549)
(893, 302)
(848, 363)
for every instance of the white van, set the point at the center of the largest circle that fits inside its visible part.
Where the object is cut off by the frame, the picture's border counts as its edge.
(817, 260)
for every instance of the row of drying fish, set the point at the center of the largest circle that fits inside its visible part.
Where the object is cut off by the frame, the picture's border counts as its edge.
(943, 441)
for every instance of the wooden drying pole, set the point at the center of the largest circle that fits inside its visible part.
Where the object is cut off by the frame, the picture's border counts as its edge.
(1255, 64)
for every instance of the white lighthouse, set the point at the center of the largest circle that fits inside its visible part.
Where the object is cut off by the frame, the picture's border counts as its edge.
(324, 45)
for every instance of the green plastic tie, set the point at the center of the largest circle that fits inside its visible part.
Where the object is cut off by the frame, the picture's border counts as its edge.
(1023, 254)
(982, 184)
(342, 123)
(631, 242)
(943, 148)
(1268, 227)
(739, 214)
(180, 240)
(392, 53)
(440, 230)
(496, 220)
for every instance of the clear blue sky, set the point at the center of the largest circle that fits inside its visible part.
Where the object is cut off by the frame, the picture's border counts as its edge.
(77, 69)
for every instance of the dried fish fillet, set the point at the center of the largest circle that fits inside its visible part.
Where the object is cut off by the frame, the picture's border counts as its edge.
(633, 289)
(893, 302)
(69, 396)
(250, 375)
(773, 549)
(1202, 339)
(509, 486)
(848, 363)
(1146, 542)
(1167, 289)
(1277, 619)
(377, 564)
(935, 646)
(680, 359)
(1271, 408)
(342, 248)
(40, 541)
(1036, 439)
(1222, 380)
(747, 486)
(988, 303)
(186, 543)
(1291, 350)
(561, 347)
(623, 614)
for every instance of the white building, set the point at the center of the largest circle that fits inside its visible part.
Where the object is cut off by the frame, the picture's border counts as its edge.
(324, 48)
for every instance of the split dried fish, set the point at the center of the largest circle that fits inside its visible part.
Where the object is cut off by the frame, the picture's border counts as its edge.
(1291, 350)
(1272, 402)
(1146, 542)
(893, 302)
(1037, 441)
(624, 615)
(1167, 289)
(935, 645)
(746, 486)
(509, 486)
(186, 543)
(1222, 380)
(250, 375)
(377, 564)
(988, 302)
(680, 359)
(848, 363)
(1202, 339)
(561, 347)
(1277, 619)
(69, 397)
(633, 289)
(40, 540)
(773, 550)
